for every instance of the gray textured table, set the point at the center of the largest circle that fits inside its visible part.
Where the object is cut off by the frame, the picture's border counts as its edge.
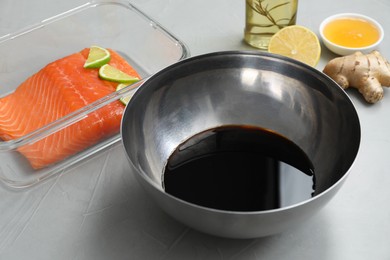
(98, 211)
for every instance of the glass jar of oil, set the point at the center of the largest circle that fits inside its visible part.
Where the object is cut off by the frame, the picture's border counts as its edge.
(263, 18)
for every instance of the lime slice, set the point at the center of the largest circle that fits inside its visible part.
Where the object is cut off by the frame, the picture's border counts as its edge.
(296, 42)
(126, 99)
(97, 57)
(111, 73)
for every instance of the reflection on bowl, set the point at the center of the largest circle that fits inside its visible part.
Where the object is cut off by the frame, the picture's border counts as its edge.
(347, 33)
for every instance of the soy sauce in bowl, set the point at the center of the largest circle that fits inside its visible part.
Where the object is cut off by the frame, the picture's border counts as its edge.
(239, 168)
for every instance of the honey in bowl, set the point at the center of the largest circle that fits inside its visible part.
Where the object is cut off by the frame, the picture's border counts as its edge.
(351, 32)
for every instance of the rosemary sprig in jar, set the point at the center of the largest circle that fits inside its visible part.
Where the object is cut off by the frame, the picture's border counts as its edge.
(263, 9)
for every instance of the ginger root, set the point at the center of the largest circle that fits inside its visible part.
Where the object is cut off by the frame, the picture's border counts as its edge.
(368, 73)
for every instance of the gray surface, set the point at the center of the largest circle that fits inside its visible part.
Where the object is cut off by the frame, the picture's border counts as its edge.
(98, 211)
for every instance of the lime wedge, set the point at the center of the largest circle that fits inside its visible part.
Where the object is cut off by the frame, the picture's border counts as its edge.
(111, 73)
(97, 57)
(126, 99)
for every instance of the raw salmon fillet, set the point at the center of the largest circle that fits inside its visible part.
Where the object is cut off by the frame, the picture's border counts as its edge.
(58, 89)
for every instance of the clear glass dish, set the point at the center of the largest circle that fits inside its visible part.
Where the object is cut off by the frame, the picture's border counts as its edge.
(119, 25)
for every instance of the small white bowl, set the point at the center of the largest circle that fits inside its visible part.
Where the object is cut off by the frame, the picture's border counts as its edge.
(342, 50)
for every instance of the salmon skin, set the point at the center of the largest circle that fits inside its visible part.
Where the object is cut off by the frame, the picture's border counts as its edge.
(58, 89)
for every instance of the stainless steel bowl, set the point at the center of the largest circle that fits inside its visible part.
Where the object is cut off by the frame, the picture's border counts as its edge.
(249, 88)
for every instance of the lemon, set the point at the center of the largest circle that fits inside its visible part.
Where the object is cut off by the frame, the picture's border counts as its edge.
(126, 99)
(296, 42)
(111, 73)
(97, 57)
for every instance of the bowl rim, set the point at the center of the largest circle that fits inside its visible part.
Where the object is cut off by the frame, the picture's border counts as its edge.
(351, 15)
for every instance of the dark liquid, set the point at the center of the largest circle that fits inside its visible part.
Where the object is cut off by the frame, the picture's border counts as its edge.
(239, 168)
